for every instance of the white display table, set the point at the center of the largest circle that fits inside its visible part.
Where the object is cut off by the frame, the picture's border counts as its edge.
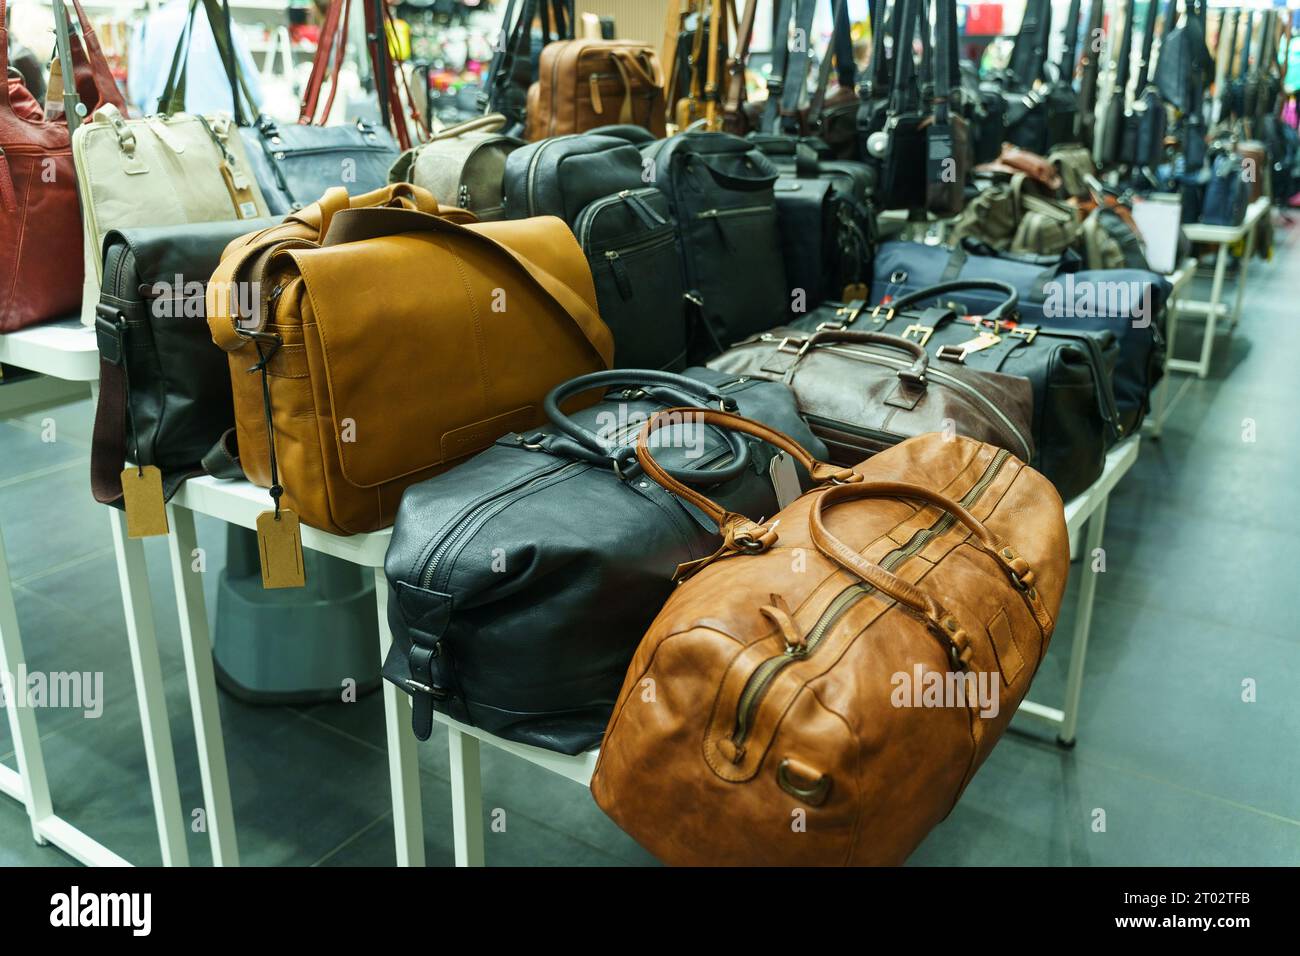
(67, 351)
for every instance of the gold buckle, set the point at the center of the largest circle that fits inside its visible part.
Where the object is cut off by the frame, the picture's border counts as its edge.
(785, 346)
(1027, 334)
(922, 331)
(875, 315)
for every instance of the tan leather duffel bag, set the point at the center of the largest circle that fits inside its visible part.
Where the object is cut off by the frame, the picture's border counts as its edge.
(396, 341)
(822, 689)
(583, 84)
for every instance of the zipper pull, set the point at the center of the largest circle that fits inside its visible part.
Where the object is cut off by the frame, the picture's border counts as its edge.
(649, 218)
(595, 94)
(778, 612)
(620, 273)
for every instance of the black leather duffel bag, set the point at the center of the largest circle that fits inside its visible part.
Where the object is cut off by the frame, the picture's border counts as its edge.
(523, 579)
(164, 388)
(1075, 418)
(562, 175)
(1128, 303)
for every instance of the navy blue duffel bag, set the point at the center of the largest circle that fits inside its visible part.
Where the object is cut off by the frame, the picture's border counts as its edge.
(1054, 292)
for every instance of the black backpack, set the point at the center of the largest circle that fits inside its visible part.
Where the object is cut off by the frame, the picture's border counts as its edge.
(721, 191)
(562, 175)
(828, 224)
(632, 245)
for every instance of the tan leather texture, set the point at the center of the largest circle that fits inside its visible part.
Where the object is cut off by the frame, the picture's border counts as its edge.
(583, 84)
(763, 719)
(400, 342)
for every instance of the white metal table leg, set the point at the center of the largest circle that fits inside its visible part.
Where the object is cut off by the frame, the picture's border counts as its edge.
(1242, 271)
(133, 575)
(29, 784)
(466, 798)
(1212, 313)
(403, 757)
(203, 687)
(1082, 625)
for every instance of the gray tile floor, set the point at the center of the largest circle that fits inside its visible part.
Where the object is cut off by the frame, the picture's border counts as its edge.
(1203, 556)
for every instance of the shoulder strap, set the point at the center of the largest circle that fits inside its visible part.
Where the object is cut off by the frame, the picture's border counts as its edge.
(355, 225)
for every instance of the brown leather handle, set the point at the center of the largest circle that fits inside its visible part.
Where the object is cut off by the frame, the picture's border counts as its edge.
(820, 471)
(920, 360)
(1016, 567)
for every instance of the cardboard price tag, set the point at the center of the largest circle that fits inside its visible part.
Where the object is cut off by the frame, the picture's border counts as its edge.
(142, 494)
(279, 543)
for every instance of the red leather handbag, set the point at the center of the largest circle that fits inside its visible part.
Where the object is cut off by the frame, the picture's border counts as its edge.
(39, 217)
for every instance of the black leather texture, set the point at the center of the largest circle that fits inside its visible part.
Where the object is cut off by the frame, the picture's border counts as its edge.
(635, 253)
(827, 223)
(562, 175)
(721, 191)
(179, 382)
(295, 164)
(523, 580)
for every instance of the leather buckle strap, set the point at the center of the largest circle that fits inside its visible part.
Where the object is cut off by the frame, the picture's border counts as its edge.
(110, 333)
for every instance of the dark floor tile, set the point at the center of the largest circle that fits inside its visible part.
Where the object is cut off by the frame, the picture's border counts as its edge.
(1034, 805)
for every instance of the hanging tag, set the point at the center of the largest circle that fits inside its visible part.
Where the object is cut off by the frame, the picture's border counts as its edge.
(279, 543)
(142, 494)
(981, 342)
(939, 165)
(241, 192)
(785, 479)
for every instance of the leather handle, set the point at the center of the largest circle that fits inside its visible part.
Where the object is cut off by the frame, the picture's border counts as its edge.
(680, 389)
(920, 359)
(725, 520)
(1016, 567)
(1008, 305)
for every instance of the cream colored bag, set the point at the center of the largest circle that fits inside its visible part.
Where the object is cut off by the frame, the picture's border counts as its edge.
(463, 165)
(157, 171)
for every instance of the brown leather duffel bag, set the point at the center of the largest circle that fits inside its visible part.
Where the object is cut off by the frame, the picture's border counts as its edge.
(822, 689)
(395, 342)
(863, 392)
(584, 84)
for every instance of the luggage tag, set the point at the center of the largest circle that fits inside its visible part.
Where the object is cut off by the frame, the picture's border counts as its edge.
(240, 189)
(279, 544)
(785, 479)
(142, 496)
(939, 165)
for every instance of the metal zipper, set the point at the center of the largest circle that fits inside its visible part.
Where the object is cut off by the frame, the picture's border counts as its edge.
(725, 213)
(879, 434)
(497, 501)
(504, 497)
(587, 218)
(532, 167)
(761, 679)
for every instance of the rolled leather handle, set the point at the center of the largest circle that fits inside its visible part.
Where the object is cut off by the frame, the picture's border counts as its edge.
(682, 388)
(1016, 567)
(730, 524)
(320, 214)
(920, 359)
(963, 285)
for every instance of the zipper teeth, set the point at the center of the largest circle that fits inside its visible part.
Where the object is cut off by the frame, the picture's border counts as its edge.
(862, 430)
(723, 213)
(532, 168)
(947, 379)
(763, 675)
(430, 569)
(663, 239)
(588, 216)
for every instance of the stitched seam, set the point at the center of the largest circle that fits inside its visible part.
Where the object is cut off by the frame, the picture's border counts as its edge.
(478, 321)
(857, 762)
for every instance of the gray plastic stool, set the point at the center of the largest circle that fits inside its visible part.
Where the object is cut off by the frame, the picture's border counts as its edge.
(293, 645)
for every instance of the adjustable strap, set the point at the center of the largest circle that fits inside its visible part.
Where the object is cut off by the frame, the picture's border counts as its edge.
(796, 74)
(354, 225)
(780, 63)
